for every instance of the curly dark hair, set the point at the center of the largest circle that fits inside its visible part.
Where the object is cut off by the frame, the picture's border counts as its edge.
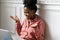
(31, 4)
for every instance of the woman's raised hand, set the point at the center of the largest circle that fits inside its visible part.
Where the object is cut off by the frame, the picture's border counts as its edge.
(15, 18)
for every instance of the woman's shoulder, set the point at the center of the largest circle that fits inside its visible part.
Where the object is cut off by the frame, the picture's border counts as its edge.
(40, 19)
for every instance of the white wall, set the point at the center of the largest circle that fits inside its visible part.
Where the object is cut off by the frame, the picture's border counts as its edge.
(49, 10)
(6, 22)
(9, 8)
(0, 14)
(51, 14)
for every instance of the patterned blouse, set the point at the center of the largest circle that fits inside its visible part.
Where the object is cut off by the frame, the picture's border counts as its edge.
(31, 30)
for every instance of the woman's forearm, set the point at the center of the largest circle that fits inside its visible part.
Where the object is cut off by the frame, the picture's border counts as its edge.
(18, 27)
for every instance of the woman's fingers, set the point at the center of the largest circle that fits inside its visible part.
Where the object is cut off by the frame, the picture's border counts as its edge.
(11, 17)
(14, 18)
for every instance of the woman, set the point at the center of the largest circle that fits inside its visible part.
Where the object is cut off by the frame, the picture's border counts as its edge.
(33, 26)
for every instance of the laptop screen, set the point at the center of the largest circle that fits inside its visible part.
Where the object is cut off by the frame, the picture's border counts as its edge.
(5, 35)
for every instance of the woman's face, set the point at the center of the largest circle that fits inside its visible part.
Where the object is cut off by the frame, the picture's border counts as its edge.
(28, 13)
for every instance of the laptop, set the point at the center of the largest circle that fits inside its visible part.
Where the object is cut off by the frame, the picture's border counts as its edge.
(5, 35)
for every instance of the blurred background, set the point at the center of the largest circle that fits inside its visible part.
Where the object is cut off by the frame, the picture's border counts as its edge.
(49, 10)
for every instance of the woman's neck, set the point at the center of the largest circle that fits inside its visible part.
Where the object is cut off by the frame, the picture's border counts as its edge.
(33, 17)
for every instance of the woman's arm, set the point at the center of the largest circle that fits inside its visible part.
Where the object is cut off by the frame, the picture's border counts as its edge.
(18, 27)
(18, 24)
(42, 30)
